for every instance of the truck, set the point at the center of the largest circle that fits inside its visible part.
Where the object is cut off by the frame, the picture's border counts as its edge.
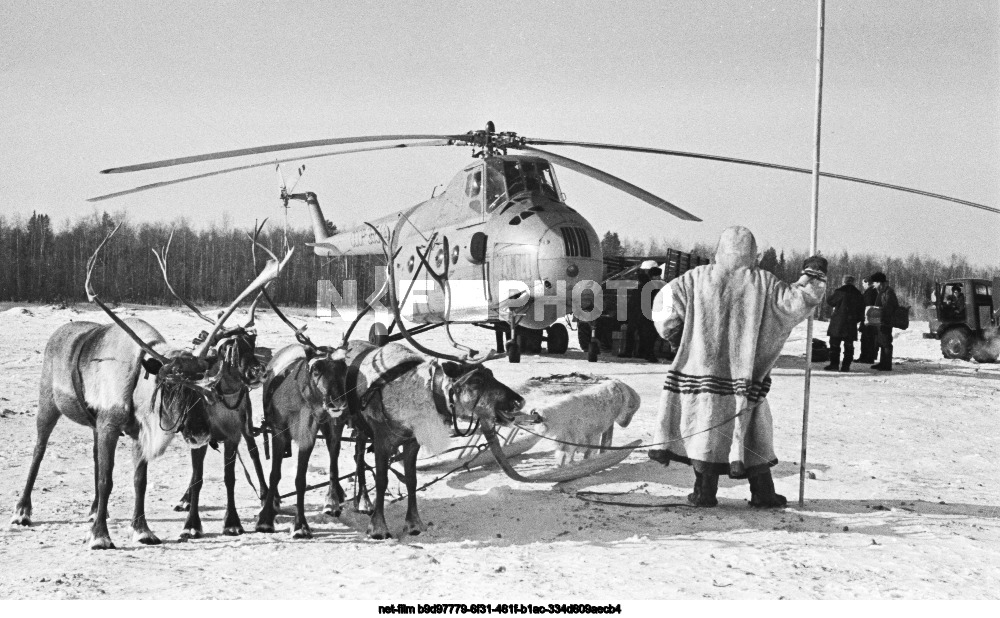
(607, 332)
(965, 320)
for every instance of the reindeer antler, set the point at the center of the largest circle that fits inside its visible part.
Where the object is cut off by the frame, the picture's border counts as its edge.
(270, 272)
(162, 259)
(390, 253)
(300, 336)
(444, 281)
(92, 297)
(253, 311)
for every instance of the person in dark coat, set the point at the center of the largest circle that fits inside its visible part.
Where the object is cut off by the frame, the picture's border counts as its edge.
(640, 322)
(869, 333)
(887, 301)
(848, 309)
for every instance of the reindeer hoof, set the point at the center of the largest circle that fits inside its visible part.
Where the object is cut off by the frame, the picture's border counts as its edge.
(233, 530)
(191, 533)
(21, 518)
(302, 533)
(331, 510)
(264, 527)
(146, 537)
(379, 534)
(101, 542)
(415, 529)
(183, 505)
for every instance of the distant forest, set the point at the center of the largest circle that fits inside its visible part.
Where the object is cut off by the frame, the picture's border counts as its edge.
(209, 266)
(212, 265)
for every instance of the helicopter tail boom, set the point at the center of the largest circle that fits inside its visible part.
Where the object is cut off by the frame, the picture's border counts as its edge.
(320, 229)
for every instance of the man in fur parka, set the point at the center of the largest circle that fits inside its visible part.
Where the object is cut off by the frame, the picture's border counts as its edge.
(728, 322)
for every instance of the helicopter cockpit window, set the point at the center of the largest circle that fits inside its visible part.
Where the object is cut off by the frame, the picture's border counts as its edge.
(495, 188)
(534, 176)
(474, 183)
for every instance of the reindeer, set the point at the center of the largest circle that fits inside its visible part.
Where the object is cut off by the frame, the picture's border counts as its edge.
(230, 414)
(398, 398)
(419, 405)
(93, 374)
(303, 394)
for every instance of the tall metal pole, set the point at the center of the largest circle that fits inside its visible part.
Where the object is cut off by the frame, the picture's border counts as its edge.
(821, 18)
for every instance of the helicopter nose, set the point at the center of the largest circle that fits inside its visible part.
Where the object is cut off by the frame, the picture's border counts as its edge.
(569, 253)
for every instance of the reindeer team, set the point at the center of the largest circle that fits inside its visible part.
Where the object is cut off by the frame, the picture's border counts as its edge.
(124, 378)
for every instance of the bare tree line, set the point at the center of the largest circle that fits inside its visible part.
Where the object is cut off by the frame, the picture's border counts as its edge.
(208, 266)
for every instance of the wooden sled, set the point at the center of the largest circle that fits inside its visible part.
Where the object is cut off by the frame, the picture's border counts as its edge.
(478, 458)
(575, 470)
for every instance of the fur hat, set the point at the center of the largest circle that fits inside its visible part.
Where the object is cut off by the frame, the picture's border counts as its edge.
(878, 277)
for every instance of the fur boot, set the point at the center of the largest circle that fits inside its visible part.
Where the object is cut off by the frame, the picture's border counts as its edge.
(762, 495)
(705, 487)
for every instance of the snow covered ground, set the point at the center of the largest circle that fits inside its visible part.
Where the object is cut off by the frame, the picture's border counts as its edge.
(904, 503)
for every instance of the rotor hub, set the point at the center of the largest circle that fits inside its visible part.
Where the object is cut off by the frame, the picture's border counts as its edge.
(489, 143)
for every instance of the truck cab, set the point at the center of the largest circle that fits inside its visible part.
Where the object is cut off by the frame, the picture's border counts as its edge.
(964, 319)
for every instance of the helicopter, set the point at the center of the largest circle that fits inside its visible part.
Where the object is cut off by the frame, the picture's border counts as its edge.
(513, 253)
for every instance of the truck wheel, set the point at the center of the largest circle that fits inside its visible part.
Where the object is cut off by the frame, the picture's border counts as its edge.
(558, 338)
(955, 343)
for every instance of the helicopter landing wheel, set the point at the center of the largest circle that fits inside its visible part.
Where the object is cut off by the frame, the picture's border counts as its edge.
(513, 351)
(593, 350)
(557, 338)
(378, 334)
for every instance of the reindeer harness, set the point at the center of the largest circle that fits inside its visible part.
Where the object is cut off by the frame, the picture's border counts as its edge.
(442, 393)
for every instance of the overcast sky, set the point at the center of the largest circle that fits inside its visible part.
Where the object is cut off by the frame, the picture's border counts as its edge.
(911, 97)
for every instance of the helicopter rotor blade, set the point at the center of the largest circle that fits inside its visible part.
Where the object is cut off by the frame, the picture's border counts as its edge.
(241, 152)
(776, 166)
(615, 182)
(157, 185)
